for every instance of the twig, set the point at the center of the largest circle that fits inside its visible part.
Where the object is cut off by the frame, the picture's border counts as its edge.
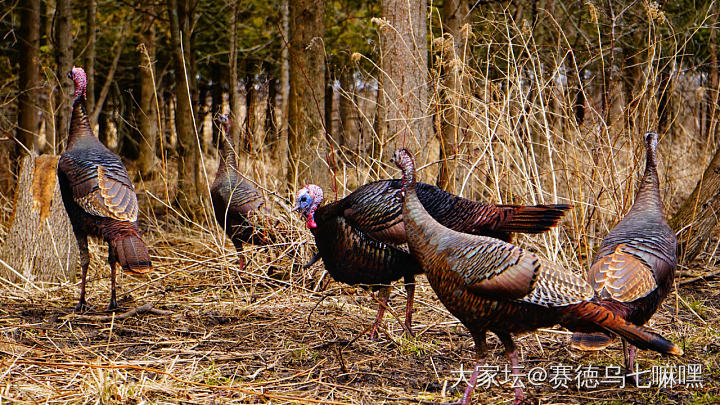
(703, 277)
(108, 318)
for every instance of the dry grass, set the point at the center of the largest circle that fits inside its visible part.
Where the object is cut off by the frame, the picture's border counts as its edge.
(263, 334)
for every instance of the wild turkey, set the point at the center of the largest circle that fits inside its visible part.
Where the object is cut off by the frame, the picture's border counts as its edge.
(234, 199)
(99, 197)
(360, 237)
(634, 267)
(489, 284)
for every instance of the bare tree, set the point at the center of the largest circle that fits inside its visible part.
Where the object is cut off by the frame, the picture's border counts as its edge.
(148, 113)
(404, 56)
(697, 219)
(235, 96)
(348, 131)
(64, 59)
(91, 34)
(454, 18)
(307, 68)
(188, 159)
(29, 77)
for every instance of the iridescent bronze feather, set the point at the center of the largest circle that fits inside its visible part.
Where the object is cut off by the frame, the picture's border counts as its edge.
(489, 284)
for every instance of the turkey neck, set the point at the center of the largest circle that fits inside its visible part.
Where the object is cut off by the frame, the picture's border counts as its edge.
(79, 123)
(227, 154)
(648, 195)
(419, 225)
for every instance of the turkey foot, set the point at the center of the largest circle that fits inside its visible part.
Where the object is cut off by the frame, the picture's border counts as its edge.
(467, 395)
(82, 306)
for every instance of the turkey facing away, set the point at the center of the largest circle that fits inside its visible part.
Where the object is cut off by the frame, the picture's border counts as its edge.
(99, 197)
(234, 199)
(361, 237)
(489, 284)
(634, 267)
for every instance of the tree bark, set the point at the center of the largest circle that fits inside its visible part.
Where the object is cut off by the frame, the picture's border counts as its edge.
(380, 131)
(348, 131)
(188, 157)
(307, 96)
(697, 218)
(404, 64)
(28, 78)
(329, 103)
(91, 34)
(64, 60)
(216, 92)
(257, 119)
(454, 18)
(271, 127)
(236, 100)
(109, 79)
(148, 110)
(40, 244)
(280, 148)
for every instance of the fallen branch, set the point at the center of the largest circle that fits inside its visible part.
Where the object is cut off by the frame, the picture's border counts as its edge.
(703, 277)
(147, 308)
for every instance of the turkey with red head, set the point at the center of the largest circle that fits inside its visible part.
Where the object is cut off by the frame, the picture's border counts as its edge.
(99, 197)
(361, 238)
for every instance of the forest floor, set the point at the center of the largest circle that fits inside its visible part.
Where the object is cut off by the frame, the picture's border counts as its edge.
(276, 333)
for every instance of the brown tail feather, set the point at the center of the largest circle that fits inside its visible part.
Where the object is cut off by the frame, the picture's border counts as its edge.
(639, 336)
(590, 341)
(535, 219)
(132, 254)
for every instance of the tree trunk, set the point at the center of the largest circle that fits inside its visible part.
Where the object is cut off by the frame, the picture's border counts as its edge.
(307, 96)
(380, 131)
(28, 78)
(271, 126)
(258, 117)
(109, 79)
(698, 215)
(404, 65)
(454, 17)
(280, 150)
(148, 110)
(250, 103)
(187, 188)
(348, 131)
(329, 105)
(216, 92)
(40, 244)
(91, 34)
(235, 96)
(64, 60)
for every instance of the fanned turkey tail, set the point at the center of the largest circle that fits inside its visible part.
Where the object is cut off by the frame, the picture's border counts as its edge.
(130, 250)
(639, 336)
(533, 219)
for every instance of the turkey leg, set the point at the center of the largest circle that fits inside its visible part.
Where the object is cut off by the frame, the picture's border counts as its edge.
(383, 296)
(480, 353)
(113, 302)
(410, 290)
(512, 354)
(629, 355)
(84, 264)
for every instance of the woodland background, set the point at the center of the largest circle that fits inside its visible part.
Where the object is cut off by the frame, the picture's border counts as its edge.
(510, 102)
